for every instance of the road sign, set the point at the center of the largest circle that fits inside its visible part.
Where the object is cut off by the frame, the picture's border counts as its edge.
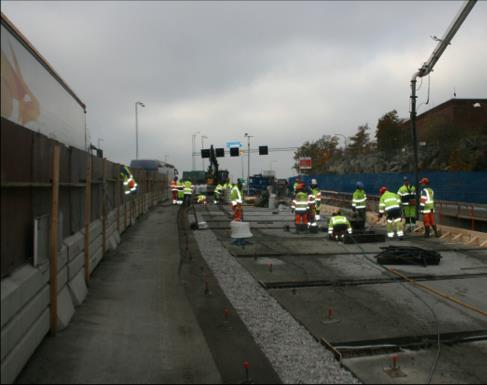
(305, 163)
(234, 144)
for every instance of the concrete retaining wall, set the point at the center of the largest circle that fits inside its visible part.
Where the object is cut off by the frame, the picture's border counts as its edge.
(25, 294)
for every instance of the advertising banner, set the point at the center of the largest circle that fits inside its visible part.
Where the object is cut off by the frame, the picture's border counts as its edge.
(32, 97)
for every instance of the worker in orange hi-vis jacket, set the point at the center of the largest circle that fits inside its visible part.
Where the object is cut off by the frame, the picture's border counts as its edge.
(427, 207)
(174, 190)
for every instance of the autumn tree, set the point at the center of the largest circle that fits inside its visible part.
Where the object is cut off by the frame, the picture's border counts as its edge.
(390, 136)
(320, 151)
(360, 142)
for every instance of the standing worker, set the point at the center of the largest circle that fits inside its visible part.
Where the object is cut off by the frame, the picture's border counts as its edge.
(427, 207)
(408, 203)
(391, 204)
(312, 224)
(301, 208)
(174, 190)
(188, 192)
(338, 226)
(129, 183)
(317, 198)
(359, 204)
(237, 200)
(180, 192)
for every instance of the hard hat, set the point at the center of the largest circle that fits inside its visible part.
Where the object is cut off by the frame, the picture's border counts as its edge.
(300, 186)
(175, 178)
(405, 178)
(314, 182)
(382, 190)
(424, 181)
(359, 185)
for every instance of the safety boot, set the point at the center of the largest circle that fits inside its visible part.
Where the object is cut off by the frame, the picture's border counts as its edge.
(437, 235)
(427, 232)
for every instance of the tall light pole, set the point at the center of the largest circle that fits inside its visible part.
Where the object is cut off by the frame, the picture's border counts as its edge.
(203, 137)
(248, 158)
(137, 129)
(345, 138)
(193, 166)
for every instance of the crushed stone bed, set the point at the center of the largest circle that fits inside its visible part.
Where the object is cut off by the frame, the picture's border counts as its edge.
(293, 352)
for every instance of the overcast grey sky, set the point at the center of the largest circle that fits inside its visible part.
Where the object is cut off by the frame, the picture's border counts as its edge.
(285, 72)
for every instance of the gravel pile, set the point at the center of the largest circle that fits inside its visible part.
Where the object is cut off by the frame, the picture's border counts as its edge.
(293, 352)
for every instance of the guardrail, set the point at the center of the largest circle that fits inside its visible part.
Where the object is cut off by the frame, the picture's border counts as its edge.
(473, 213)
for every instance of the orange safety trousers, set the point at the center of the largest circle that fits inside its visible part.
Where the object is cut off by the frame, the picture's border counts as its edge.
(429, 219)
(237, 212)
(301, 218)
(174, 195)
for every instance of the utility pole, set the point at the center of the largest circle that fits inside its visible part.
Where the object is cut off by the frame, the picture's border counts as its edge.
(426, 69)
(248, 159)
(137, 129)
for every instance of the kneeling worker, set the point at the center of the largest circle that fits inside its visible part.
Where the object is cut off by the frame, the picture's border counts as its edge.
(338, 226)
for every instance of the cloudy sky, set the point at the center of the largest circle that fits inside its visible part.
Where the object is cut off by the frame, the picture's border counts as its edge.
(285, 72)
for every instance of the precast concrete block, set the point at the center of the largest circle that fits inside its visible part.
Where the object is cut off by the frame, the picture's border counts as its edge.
(75, 266)
(20, 354)
(95, 260)
(112, 216)
(95, 244)
(65, 308)
(95, 229)
(19, 325)
(18, 289)
(78, 289)
(75, 245)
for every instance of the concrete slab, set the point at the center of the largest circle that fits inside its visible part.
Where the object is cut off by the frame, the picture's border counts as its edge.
(76, 265)
(385, 311)
(75, 245)
(65, 308)
(452, 367)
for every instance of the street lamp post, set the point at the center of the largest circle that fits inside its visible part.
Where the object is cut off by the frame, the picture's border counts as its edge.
(193, 166)
(203, 137)
(137, 129)
(345, 138)
(248, 159)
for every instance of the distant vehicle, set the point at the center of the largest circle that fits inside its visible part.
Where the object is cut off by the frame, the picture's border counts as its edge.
(259, 183)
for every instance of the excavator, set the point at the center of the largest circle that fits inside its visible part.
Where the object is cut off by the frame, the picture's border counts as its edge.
(214, 175)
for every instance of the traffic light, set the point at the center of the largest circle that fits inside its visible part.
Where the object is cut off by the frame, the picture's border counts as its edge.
(234, 151)
(205, 153)
(219, 152)
(263, 150)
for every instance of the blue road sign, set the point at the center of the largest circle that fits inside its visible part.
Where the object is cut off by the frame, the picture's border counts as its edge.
(234, 144)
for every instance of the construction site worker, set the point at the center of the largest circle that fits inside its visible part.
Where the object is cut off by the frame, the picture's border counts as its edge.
(174, 190)
(188, 192)
(317, 198)
(359, 204)
(129, 183)
(236, 197)
(202, 199)
(180, 192)
(408, 203)
(227, 188)
(218, 193)
(390, 203)
(427, 207)
(338, 226)
(312, 224)
(301, 208)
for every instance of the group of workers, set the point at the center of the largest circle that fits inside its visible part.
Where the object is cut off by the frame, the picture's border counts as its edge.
(395, 206)
(182, 193)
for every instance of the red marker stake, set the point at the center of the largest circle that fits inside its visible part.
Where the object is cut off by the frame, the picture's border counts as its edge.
(395, 358)
(246, 367)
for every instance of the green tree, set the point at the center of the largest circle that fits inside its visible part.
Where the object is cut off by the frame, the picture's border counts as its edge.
(360, 142)
(390, 136)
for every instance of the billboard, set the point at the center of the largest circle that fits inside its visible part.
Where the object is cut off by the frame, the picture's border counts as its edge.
(33, 97)
(305, 163)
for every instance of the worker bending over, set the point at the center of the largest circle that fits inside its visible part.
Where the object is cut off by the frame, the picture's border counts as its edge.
(427, 206)
(359, 204)
(236, 197)
(338, 226)
(218, 194)
(390, 203)
(301, 207)
(408, 203)
(202, 199)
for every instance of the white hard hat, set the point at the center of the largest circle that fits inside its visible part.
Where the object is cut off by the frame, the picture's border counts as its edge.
(314, 181)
